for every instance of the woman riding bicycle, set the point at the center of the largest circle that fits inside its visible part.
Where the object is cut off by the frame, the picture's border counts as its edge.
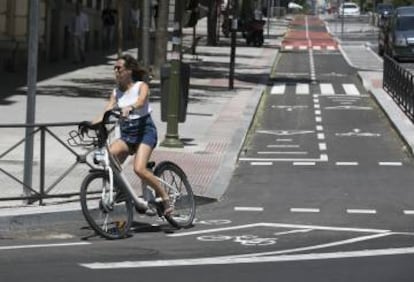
(138, 131)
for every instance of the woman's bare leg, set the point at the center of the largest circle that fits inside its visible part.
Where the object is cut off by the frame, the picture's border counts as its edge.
(140, 168)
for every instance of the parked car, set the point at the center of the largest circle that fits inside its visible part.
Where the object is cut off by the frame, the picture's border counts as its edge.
(349, 9)
(397, 35)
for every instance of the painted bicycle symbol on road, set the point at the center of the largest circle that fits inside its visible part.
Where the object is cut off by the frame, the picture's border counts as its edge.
(250, 240)
(245, 240)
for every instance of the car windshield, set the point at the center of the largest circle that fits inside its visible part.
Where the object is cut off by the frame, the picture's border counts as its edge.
(350, 6)
(405, 23)
(384, 7)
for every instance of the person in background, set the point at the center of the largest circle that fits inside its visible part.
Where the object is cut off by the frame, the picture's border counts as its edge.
(108, 17)
(79, 29)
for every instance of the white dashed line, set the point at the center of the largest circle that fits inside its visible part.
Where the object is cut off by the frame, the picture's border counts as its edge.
(254, 209)
(361, 211)
(304, 163)
(346, 163)
(409, 212)
(305, 210)
(261, 163)
(390, 163)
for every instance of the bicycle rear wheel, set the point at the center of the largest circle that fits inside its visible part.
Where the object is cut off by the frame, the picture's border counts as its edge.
(180, 193)
(110, 220)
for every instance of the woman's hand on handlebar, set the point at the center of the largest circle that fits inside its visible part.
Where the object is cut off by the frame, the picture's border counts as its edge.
(125, 111)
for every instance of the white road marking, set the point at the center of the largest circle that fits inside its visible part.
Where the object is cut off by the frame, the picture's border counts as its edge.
(321, 136)
(16, 247)
(284, 140)
(319, 128)
(282, 225)
(390, 163)
(305, 210)
(361, 211)
(278, 89)
(281, 153)
(409, 212)
(346, 163)
(255, 209)
(292, 232)
(261, 163)
(304, 163)
(302, 89)
(264, 257)
(282, 146)
(326, 89)
(350, 89)
(285, 132)
(322, 146)
(322, 158)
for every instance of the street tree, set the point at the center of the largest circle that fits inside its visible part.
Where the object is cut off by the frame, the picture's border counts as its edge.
(161, 37)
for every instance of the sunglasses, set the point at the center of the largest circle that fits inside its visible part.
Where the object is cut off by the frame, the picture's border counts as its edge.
(118, 68)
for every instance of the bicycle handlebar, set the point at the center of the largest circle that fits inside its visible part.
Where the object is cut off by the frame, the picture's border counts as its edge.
(77, 137)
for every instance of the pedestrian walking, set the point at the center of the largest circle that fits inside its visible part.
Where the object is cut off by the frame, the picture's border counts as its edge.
(79, 29)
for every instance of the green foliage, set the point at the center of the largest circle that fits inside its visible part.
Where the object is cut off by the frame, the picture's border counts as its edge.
(398, 3)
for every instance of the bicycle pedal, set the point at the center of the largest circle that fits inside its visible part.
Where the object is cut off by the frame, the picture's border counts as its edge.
(148, 211)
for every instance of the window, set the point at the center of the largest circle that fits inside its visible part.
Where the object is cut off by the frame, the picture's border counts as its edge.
(405, 23)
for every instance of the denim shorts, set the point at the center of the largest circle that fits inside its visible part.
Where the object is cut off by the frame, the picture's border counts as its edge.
(137, 131)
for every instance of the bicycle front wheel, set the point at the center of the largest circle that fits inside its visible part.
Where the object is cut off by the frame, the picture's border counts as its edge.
(175, 183)
(111, 219)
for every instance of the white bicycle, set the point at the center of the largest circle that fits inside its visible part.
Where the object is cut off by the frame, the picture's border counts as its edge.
(107, 198)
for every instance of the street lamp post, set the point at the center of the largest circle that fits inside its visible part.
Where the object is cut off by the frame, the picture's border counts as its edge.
(171, 137)
(31, 94)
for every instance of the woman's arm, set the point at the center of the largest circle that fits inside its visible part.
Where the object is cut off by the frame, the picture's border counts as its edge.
(109, 105)
(142, 97)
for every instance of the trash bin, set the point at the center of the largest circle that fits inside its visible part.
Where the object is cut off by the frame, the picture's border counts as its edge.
(183, 93)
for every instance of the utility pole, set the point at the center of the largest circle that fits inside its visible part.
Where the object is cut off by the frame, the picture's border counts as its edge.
(31, 94)
(171, 137)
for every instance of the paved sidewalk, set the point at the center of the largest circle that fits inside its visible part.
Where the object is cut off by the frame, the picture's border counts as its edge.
(372, 81)
(216, 124)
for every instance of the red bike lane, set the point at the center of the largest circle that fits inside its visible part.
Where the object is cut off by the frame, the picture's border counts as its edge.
(308, 32)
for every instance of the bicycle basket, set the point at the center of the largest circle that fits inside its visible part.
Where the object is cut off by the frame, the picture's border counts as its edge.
(90, 138)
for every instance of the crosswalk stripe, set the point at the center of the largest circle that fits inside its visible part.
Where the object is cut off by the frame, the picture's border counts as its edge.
(302, 89)
(278, 89)
(350, 89)
(327, 89)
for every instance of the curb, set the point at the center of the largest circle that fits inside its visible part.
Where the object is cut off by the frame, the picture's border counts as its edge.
(401, 123)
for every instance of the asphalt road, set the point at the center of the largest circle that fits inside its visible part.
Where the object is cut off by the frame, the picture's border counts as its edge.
(322, 192)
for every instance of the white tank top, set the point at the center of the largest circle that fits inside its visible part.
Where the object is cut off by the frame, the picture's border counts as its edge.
(129, 98)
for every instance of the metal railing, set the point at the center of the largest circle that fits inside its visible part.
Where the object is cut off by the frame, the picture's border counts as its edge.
(43, 133)
(399, 83)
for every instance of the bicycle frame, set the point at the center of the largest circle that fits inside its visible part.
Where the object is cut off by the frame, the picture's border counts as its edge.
(116, 175)
(110, 164)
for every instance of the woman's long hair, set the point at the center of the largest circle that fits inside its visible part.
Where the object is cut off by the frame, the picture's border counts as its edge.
(138, 73)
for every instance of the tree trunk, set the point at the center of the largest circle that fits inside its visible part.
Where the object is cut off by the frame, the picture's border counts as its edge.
(212, 24)
(161, 37)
